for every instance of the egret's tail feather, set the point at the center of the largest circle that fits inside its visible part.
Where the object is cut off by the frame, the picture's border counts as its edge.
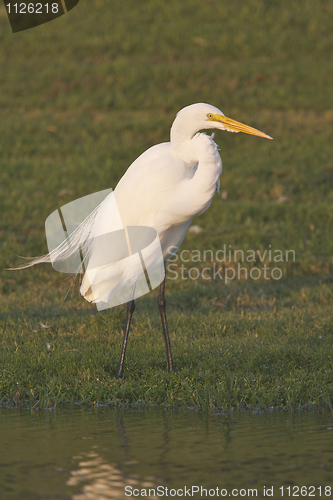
(32, 262)
(77, 244)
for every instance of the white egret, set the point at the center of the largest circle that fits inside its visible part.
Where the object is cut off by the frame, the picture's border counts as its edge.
(164, 188)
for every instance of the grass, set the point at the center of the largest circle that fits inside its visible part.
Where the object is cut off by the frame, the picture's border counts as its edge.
(242, 346)
(80, 99)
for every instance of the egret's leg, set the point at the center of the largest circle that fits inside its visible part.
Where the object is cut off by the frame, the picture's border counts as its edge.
(161, 305)
(130, 311)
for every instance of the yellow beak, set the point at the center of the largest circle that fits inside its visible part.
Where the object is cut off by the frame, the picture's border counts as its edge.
(232, 126)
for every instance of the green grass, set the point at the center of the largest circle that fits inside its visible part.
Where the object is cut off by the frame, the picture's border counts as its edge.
(80, 99)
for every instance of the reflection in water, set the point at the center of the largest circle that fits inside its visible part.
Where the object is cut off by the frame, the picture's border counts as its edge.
(93, 454)
(123, 438)
(166, 444)
(104, 481)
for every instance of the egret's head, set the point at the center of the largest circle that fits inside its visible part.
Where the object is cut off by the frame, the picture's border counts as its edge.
(203, 116)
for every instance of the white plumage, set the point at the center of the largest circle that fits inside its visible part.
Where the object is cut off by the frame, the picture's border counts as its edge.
(164, 189)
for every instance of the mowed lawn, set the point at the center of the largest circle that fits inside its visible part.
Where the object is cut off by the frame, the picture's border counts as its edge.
(80, 99)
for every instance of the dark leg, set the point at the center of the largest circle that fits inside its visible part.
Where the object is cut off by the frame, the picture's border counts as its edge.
(130, 311)
(161, 305)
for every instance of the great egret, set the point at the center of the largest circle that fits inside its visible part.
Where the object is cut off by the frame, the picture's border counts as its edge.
(163, 189)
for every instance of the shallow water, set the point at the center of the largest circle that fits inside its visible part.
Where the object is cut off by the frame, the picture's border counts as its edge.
(79, 454)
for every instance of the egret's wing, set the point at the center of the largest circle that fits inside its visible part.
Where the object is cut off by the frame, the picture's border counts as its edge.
(147, 188)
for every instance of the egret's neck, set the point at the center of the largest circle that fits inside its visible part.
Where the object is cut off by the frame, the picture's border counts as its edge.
(189, 145)
(197, 148)
(202, 167)
(181, 133)
(185, 147)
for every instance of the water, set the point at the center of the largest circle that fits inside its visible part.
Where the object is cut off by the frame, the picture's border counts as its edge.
(80, 454)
